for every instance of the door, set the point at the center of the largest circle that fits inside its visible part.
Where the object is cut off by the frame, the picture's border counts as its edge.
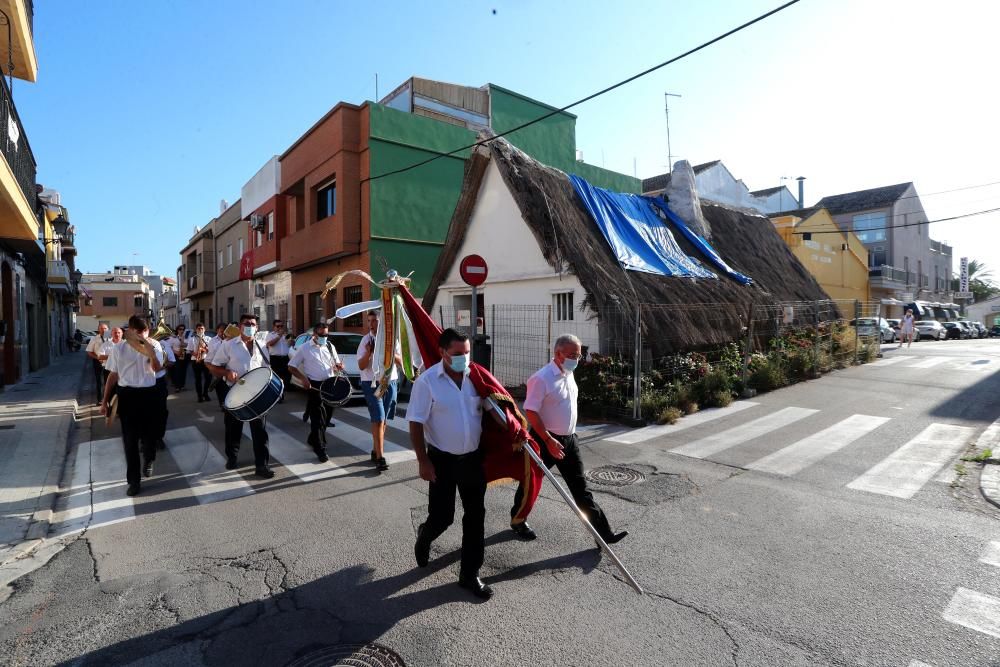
(7, 296)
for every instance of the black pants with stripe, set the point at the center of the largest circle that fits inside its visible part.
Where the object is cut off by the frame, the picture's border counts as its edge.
(319, 414)
(234, 434)
(202, 378)
(138, 410)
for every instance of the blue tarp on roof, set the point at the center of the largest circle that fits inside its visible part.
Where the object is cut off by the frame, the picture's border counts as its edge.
(701, 244)
(639, 239)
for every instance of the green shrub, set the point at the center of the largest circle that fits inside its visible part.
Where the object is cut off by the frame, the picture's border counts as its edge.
(720, 399)
(654, 404)
(709, 390)
(669, 416)
(768, 377)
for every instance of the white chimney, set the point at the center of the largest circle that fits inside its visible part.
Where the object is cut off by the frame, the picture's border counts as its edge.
(223, 205)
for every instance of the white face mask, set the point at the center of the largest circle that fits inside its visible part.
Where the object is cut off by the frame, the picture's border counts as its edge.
(459, 363)
(249, 330)
(569, 365)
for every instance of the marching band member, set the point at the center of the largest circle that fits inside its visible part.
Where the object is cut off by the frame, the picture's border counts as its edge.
(233, 359)
(197, 348)
(277, 347)
(213, 345)
(93, 351)
(313, 363)
(105, 352)
(550, 406)
(179, 346)
(162, 391)
(133, 365)
(445, 415)
(380, 410)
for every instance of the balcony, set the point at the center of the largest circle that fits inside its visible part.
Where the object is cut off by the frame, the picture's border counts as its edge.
(21, 14)
(199, 283)
(890, 278)
(17, 174)
(58, 277)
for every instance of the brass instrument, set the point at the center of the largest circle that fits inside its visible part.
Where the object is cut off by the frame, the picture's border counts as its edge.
(232, 331)
(162, 331)
(201, 350)
(137, 343)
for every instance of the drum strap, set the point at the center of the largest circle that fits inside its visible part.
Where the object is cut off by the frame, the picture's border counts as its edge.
(266, 359)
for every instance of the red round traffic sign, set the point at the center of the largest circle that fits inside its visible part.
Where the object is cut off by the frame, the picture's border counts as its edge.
(473, 270)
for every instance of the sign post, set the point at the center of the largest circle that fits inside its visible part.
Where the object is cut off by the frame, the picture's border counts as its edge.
(474, 270)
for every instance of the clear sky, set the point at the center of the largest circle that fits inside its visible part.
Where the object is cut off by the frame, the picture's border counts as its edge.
(146, 114)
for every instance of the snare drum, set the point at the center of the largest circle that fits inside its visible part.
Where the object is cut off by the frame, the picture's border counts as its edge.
(254, 394)
(335, 390)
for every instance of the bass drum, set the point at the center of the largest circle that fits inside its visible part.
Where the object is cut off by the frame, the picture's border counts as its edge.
(254, 394)
(335, 391)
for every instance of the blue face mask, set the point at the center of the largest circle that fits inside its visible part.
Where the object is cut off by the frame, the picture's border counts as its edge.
(321, 340)
(459, 363)
(569, 365)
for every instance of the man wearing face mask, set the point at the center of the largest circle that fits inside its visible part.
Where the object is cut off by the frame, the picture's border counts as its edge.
(94, 352)
(313, 363)
(445, 415)
(551, 410)
(278, 348)
(197, 348)
(233, 359)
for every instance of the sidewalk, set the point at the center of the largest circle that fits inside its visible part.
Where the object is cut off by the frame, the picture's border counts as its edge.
(37, 416)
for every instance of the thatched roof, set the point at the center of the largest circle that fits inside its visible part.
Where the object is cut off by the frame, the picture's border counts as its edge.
(571, 241)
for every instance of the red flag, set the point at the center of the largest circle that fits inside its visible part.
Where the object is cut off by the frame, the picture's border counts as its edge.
(246, 265)
(503, 457)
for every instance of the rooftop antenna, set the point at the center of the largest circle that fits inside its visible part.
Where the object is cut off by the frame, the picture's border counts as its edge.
(666, 110)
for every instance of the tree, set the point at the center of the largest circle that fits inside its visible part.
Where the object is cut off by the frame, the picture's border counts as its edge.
(980, 281)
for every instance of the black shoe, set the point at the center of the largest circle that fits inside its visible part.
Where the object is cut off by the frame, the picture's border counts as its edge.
(476, 586)
(231, 463)
(421, 549)
(374, 458)
(322, 455)
(381, 464)
(614, 538)
(264, 472)
(160, 444)
(147, 469)
(523, 531)
(133, 490)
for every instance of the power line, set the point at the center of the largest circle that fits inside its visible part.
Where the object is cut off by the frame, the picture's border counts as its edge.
(554, 112)
(907, 224)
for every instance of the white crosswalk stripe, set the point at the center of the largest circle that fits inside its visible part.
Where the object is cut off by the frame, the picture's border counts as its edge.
(974, 610)
(362, 440)
(905, 471)
(887, 361)
(802, 454)
(992, 554)
(930, 362)
(203, 467)
(718, 442)
(97, 490)
(698, 418)
(298, 458)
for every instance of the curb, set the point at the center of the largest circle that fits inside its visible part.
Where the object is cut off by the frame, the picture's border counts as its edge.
(989, 484)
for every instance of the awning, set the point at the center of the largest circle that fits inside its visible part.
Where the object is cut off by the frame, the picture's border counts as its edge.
(891, 302)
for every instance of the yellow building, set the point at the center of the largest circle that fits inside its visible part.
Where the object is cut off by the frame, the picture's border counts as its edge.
(837, 259)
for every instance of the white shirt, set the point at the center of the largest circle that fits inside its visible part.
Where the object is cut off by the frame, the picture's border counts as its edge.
(552, 394)
(452, 417)
(104, 349)
(166, 355)
(213, 345)
(192, 344)
(95, 343)
(133, 369)
(316, 361)
(279, 349)
(233, 355)
(367, 374)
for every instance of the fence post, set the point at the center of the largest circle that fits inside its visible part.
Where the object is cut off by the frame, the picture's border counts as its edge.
(816, 343)
(548, 334)
(637, 372)
(747, 348)
(857, 339)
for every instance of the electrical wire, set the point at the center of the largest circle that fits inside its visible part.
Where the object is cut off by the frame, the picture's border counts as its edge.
(907, 224)
(603, 91)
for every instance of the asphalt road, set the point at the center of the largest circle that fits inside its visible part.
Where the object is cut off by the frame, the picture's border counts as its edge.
(775, 536)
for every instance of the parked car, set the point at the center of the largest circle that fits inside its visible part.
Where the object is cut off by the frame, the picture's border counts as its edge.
(955, 331)
(981, 331)
(895, 324)
(346, 345)
(931, 329)
(869, 326)
(970, 331)
(995, 331)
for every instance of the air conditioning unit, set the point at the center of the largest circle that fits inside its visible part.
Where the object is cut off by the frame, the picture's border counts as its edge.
(257, 222)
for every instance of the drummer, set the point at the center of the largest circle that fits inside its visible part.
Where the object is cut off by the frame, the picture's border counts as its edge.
(167, 360)
(213, 345)
(232, 359)
(314, 362)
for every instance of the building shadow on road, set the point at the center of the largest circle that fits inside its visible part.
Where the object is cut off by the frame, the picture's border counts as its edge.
(350, 606)
(979, 401)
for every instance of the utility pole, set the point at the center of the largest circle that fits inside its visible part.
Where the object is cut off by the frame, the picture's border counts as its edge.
(666, 110)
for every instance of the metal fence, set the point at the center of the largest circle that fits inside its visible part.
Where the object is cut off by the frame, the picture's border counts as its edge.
(635, 367)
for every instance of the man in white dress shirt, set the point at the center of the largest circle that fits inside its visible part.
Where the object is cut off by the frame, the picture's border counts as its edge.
(196, 351)
(313, 363)
(213, 345)
(550, 407)
(162, 391)
(179, 344)
(134, 375)
(278, 348)
(445, 415)
(93, 351)
(233, 359)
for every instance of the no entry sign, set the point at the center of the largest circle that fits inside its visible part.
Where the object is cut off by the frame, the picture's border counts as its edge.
(473, 270)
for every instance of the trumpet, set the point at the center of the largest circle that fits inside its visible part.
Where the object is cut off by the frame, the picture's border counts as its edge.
(137, 343)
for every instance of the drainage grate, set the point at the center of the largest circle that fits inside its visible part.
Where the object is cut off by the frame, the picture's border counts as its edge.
(614, 476)
(350, 655)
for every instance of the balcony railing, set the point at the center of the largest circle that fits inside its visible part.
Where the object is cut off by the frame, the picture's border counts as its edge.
(14, 145)
(890, 273)
(58, 271)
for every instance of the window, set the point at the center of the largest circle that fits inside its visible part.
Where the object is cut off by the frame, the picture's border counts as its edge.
(137, 300)
(229, 254)
(270, 226)
(353, 295)
(259, 239)
(239, 254)
(110, 302)
(562, 307)
(870, 227)
(221, 263)
(876, 257)
(326, 200)
(316, 313)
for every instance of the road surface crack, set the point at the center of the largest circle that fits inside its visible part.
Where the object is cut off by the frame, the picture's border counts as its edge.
(707, 614)
(93, 558)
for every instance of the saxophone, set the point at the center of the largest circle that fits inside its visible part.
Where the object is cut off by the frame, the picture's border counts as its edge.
(201, 350)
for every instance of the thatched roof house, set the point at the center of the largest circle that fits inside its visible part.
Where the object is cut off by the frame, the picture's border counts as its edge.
(527, 221)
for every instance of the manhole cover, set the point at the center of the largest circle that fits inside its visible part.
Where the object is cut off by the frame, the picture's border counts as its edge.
(350, 655)
(614, 476)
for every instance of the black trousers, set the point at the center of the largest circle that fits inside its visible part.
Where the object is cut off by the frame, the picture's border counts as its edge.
(279, 364)
(99, 378)
(463, 474)
(202, 378)
(138, 411)
(319, 415)
(571, 468)
(221, 389)
(234, 434)
(180, 371)
(161, 407)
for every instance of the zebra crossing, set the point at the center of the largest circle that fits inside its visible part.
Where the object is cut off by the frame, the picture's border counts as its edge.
(901, 474)
(973, 609)
(982, 363)
(96, 493)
